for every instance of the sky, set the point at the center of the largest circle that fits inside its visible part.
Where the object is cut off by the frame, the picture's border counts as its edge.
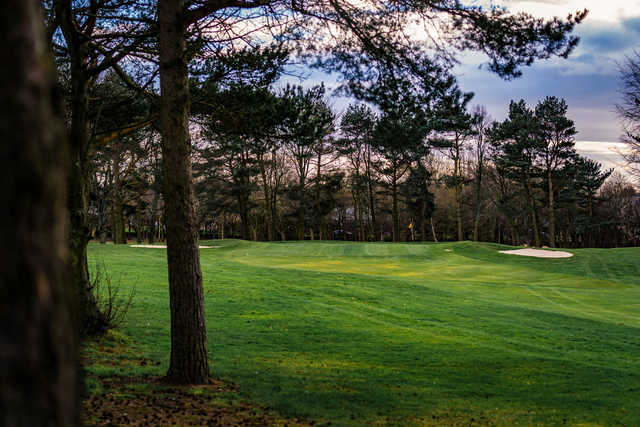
(588, 80)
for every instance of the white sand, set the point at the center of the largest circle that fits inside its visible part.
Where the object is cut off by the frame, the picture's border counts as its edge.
(539, 253)
(165, 246)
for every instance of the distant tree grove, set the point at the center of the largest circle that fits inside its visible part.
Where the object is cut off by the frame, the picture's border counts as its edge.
(280, 164)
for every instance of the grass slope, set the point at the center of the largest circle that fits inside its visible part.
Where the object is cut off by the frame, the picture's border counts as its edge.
(356, 333)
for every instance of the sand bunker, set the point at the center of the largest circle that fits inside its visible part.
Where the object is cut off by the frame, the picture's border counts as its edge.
(539, 253)
(165, 246)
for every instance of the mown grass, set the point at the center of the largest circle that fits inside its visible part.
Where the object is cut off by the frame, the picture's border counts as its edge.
(442, 334)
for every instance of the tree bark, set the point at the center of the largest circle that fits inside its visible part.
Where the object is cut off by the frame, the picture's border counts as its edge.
(534, 212)
(139, 220)
(91, 321)
(119, 234)
(476, 220)
(372, 201)
(552, 212)
(458, 189)
(301, 209)
(38, 345)
(394, 209)
(268, 211)
(189, 362)
(433, 230)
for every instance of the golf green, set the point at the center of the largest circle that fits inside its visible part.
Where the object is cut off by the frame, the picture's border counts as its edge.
(365, 333)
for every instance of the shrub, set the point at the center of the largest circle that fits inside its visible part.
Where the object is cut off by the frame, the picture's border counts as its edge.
(111, 301)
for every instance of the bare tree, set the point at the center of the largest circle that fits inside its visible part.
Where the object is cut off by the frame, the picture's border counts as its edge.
(481, 122)
(629, 111)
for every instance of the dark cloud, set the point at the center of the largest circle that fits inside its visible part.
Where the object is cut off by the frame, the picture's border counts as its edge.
(591, 98)
(609, 38)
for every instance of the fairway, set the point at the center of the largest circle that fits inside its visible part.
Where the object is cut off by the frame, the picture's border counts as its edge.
(442, 334)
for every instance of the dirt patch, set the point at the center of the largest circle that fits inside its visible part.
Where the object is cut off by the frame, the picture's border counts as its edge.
(146, 401)
(538, 253)
(140, 399)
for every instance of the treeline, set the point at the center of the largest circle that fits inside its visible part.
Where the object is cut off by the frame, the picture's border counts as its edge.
(280, 164)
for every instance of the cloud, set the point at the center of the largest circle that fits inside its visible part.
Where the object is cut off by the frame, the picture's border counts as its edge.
(606, 153)
(606, 11)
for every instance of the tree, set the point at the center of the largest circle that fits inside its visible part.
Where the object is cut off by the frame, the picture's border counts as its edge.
(38, 371)
(455, 126)
(307, 120)
(516, 143)
(88, 40)
(233, 98)
(621, 211)
(361, 32)
(357, 125)
(189, 363)
(398, 140)
(240, 131)
(480, 123)
(556, 148)
(419, 199)
(585, 179)
(629, 111)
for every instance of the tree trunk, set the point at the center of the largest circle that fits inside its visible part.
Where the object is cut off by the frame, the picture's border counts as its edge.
(244, 220)
(154, 218)
(274, 194)
(394, 209)
(268, 211)
(476, 220)
(39, 381)
(458, 193)
(189, 363)
(119, 233)
(89, 318)
(139, 219)
(361, 235)
(372, 210)
(534, 213)
(301, 211)
(433, 230)
(552, 212)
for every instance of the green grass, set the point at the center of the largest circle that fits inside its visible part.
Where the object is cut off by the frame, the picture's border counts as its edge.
(407, 333)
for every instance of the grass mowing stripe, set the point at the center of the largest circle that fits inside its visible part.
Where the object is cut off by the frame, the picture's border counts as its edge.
(408, 333)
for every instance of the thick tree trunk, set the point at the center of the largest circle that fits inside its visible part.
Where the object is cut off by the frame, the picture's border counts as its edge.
(552, 212)
(189, 363)
(90, 320)
(39, 383)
